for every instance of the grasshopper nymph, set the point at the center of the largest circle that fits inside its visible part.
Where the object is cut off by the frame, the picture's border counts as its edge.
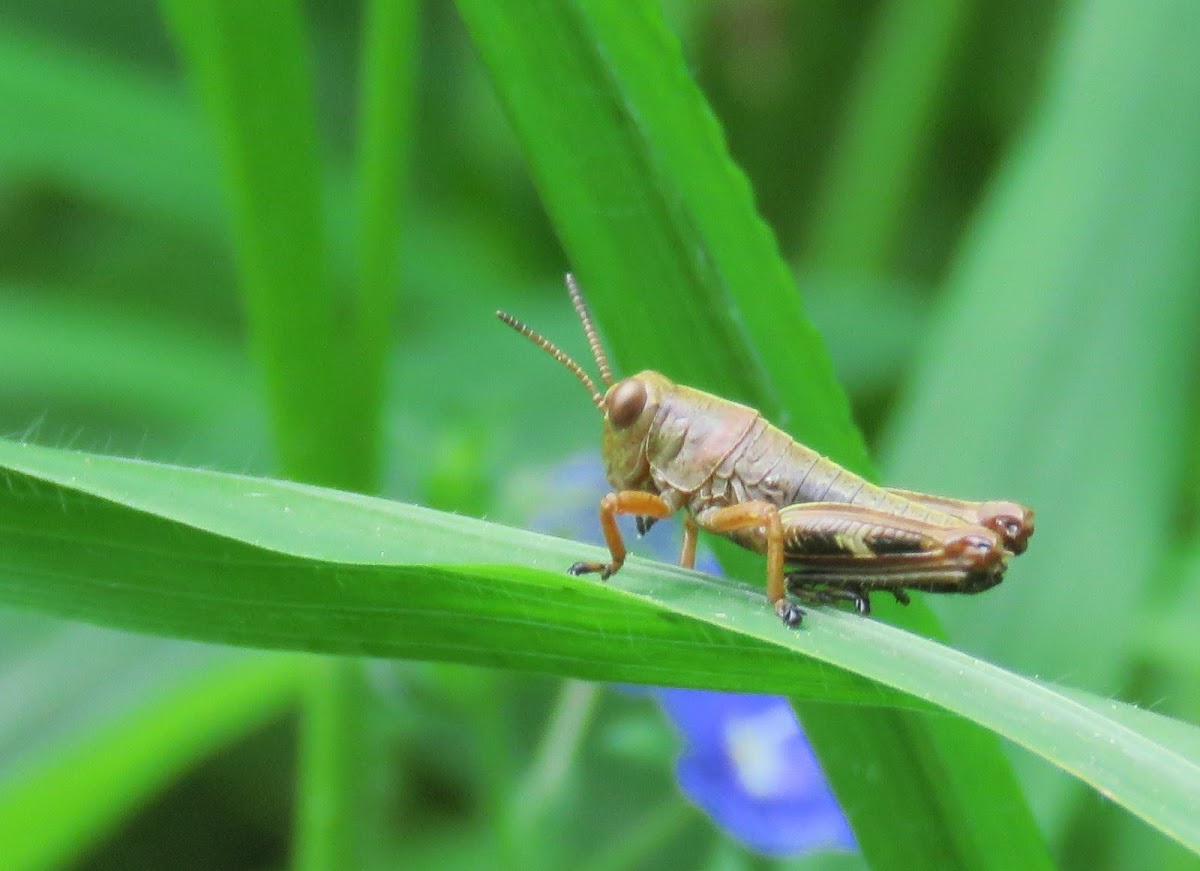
(828, 534)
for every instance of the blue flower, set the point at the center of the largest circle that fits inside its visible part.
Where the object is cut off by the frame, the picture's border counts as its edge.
(745, 762)
(747, 765)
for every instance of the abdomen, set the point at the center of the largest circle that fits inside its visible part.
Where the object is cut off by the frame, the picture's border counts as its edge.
(769, 465)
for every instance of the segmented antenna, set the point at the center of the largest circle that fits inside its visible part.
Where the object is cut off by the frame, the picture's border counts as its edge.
(589, 329)
(557, 353)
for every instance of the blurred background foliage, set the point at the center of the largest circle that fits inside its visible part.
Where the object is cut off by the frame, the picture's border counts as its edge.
(890, 146)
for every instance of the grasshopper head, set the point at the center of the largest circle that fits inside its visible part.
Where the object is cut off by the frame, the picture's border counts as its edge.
(628, 406)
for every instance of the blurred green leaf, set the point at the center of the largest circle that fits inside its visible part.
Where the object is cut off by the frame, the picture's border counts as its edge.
(1166, 634)
(112, 131)
(885, 133)
(385, 131)
(342, 810)
(1059, 371)
(870, 353)
(325, 383)
(260, 106)
(275, 564)
(94, 735)
(79, 351)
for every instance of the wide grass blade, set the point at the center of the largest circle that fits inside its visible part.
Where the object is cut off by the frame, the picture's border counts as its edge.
(275, 564)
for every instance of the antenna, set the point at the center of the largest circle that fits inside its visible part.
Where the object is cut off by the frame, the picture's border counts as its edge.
(589, 329)
(557, 353)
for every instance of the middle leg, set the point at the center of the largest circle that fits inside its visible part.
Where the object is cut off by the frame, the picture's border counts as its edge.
(764, 516)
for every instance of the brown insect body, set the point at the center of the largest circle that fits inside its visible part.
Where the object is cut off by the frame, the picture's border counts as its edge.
(829, 535)
(700, 453)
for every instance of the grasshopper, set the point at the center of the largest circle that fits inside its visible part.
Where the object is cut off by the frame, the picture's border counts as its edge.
(829, 535)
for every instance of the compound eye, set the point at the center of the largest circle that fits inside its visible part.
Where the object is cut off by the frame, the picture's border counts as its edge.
(625, 402)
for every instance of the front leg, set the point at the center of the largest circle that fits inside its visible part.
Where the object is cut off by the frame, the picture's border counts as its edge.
(623, 502)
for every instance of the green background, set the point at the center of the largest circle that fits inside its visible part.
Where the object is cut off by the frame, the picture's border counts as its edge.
(268, 239)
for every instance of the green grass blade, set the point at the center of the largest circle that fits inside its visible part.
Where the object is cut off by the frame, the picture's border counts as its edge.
(1086, 255)
(320, 539)
(384, 118)
(885, 133)
(633, 169)
(325, 385)
(685, 278)
(260, 108)
(340, 812)
(341, 804)
(275, 564)
(59, 801)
